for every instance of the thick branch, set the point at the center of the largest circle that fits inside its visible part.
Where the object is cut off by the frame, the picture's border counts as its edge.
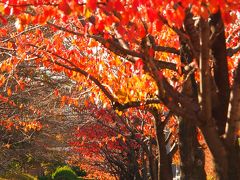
(166, 49)
(233, 124)
(135, 104)
(165, 65)
(205, 84)
(221, 75)
(191, 29)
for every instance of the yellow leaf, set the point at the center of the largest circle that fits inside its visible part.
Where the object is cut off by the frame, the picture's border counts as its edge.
(9, 92)
(122, 95)
(113, 139)
(119, 135)
(2, 8)
(2, 80)
(119, 112)
(88, 13)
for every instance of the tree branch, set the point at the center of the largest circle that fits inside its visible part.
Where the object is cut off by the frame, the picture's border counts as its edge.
(173, 150)
(131, 104)
(232, 51)
(116, 48)
(77, 69)
(233, 124)
(221, 75)
(205, 84)
(166, 49)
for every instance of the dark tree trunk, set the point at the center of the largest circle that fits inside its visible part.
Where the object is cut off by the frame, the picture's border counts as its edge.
(231, 140)
(164, 162)
(191, 153)
(133, 167)
(219, 52)
(218, 151)
(152, 164)
(144, 165)
(234, 161)
(221, 75)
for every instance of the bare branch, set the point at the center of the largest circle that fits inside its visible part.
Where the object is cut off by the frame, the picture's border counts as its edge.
(23, 32)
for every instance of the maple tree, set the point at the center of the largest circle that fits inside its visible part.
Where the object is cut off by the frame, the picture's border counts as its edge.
(176, 56)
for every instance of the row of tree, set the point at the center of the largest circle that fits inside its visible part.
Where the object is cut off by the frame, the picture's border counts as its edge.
(158, 73)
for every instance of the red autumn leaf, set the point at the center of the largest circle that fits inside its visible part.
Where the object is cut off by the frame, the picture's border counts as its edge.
(227, 17)
(3, 20)
(7, 10)
(139, 64)
(135, 4)
(118, 5)
(56, 92)
(159, 25)
(92, 4)
(152, 14)
(100, 26)
(64, 6)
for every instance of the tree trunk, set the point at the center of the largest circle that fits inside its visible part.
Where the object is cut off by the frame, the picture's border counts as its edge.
(152, 165)
(233, 126)
(144, 166)
(220, 111)
(164, 163)
(218, 151)
(133, 166)
(191, 153)
(221, 75)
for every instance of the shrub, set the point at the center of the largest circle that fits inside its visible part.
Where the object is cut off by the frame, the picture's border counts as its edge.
(47, 177)
(79, 171)
(64, 173)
